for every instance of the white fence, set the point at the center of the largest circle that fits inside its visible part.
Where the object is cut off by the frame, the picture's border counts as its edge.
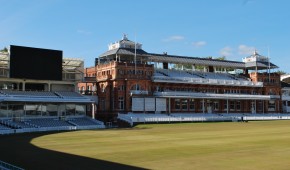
(162, 118)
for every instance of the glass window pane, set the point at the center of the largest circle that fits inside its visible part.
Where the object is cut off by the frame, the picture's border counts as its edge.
(70, 109)
(32, 110)
(80, 110)
(49, 110)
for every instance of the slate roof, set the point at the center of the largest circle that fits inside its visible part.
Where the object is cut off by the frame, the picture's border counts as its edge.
(194, 60)
(186, 59)
(124, 51)
(260, 65)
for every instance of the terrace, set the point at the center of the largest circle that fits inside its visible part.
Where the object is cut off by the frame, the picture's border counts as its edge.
(197, 77)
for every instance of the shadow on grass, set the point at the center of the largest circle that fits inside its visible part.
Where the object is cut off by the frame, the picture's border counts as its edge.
(17, 150)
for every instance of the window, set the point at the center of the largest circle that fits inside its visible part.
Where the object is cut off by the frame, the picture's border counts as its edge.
(225, 105)
(201, 105)
(49, 110)
(139, 72)
(80, 109)
(216, 105)
(238, 105)
(33, 109)
(232, 105)
(184, 104)
(103, 88)
(70, 109)
(260, 106)
(177, 104)
(121, 103)
(121, 88)
(191, 104)
(130, 72)
(136, 87)
(271, 105)
(14, 109)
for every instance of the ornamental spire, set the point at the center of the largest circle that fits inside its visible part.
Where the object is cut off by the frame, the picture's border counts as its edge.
(125, 37)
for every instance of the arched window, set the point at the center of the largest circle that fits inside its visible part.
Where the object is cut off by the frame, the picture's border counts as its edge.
(103, 88)
(136, 87)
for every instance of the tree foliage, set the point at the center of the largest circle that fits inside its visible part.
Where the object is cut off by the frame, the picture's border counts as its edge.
(281, 72)
(5, 50)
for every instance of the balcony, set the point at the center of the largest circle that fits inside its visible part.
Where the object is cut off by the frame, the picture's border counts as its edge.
(286, 97)
(138, 92)
(189, 80)
(182, 94)
(104, 77)
(90, 79)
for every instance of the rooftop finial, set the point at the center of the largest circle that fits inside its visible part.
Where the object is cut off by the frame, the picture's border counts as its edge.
(125, 37)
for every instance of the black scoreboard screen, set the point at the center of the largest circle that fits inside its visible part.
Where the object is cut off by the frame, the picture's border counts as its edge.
(35, 63)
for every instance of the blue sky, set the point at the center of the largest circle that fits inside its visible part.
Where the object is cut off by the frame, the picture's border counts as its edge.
(198, 28)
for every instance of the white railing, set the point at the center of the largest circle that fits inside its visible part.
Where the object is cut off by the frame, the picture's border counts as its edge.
(285, 97)
(162, 118)
(138, 92)
(271, 117)
(211, 95)
(206, 81)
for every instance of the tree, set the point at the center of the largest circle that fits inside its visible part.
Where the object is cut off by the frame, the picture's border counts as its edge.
(280, 72)
(221, 58)
(5, 50)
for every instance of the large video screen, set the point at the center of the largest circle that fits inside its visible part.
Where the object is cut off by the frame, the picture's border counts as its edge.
(35, 63)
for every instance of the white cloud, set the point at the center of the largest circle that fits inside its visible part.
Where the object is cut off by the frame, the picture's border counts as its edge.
(246, 2)
(226, 51)
(84, 32)
(198, 44)
(174, 38)
(245, 50)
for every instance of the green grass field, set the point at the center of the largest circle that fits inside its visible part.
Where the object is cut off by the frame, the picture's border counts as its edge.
(226, 145)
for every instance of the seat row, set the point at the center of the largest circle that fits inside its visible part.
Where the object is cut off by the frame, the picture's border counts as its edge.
(8, 124)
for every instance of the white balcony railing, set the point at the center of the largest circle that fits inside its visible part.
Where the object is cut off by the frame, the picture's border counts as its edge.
(138, 92)
(189, 80)
(285, 97)
(179, 94)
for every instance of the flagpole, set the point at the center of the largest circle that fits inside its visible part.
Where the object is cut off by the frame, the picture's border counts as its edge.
(135, 56)
(269, 66)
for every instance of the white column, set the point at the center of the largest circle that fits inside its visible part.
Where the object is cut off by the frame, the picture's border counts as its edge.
(203, 106)
(255, 106)
(169, 105)
(93, 111)
(227, 106)
(23, 86)
(49, 86)
(263, 103)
